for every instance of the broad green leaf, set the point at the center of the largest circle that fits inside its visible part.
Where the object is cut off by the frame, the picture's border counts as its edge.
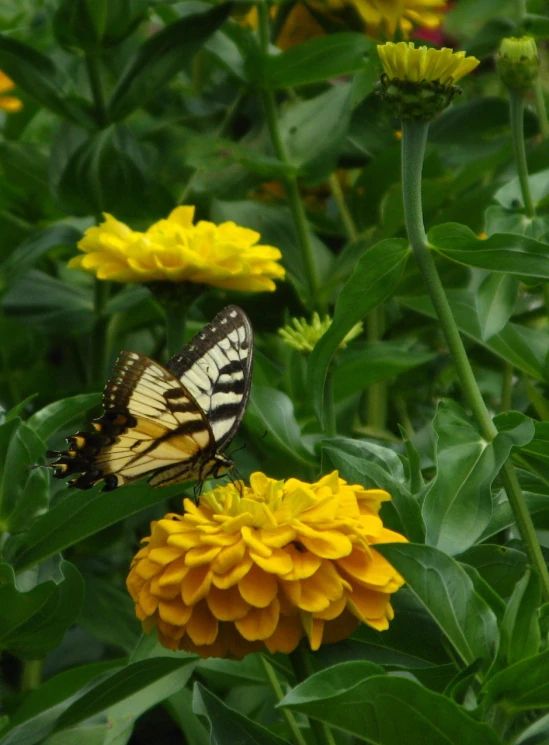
(522, 686)
(458, 504)
(314, 131)
(78, 516)
(382, 710)
(37, 74)
(500, 566)
(356, 462)
(54, 416)
(229, 727)
(48, 304)
(496, 299)
(215, 153)
(375, 277)
(488, 38)
(87, 24)
(414, 463)
(161, 57)
(124, 693)
(536, 25)
(508, 253)
(25, 256)
(316, 60)
(33, 623)
(372, 362)
(520, 631)
(500, 220)
(108, 613)
(220, 674)
(538, 447)
(272, 411)
(446, 591)
(21, 448)
(525, 348)
(510, 195)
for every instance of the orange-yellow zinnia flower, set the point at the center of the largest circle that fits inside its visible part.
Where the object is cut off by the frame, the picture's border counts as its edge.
(175, 250)
(383, 18)
(260, 567)
(8, 103)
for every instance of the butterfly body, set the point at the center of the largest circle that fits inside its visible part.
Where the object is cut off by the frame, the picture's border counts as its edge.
(169, 423)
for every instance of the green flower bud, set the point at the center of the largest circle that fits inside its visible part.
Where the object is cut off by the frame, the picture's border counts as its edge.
(518, 62)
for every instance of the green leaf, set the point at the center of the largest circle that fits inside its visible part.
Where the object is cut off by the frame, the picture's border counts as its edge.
(443, 587)
(34, 622)
(314, 131)
(108, 613)
(500, 220)
(510, 195)
(37, 75)
(161, 57)
(373, 362)
(509, 253)
(125, 683)
(520, 631)
(380, 709)
(525, 348)
(536, 25)
(45, 422)
(521, 686)
(87, 24)
(272, 411)
(25, 256)
(496, 300)
(229, 727)
(316, 60)
(20, 448)
(360, 462)
(375, 277)
(500, 566)
(458, 505)
(48, 304)
(214, 153)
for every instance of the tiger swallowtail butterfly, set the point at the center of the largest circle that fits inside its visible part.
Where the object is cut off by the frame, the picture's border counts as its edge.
(169, 423)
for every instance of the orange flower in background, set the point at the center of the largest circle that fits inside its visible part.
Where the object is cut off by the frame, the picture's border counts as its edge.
(261, 566)
(10, 104)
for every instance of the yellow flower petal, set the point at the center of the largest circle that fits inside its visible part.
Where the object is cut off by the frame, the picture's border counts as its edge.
(257, 588)
(259, 623)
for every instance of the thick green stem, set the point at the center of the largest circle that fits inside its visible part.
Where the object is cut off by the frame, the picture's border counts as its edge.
(344, 211)
(279, 695)
(303, 669)
(413, 150)
(176, 301)
(94, 76)
(541, 109)
(292, 189)
(516, 101)
(31, 676)
(98, 347)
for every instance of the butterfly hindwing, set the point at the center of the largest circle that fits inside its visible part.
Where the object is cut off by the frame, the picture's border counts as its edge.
(168, 423)
(216, 369)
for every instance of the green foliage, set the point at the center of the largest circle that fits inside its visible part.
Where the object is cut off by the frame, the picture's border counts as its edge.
(133, 107)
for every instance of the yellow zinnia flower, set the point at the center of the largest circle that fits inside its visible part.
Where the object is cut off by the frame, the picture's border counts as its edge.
(403, 61)
(305, 336)
(260, 567)
(175, 250)
(383, 18)
(8, 103)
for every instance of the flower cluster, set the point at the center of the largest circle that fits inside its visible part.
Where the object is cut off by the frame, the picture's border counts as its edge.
(305, 336)
(175, 250)
(10, 104)
(260, 567)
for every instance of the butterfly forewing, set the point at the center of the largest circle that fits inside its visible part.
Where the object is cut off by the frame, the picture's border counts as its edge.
(216, 369)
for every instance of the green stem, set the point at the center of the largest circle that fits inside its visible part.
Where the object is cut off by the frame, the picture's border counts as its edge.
(31, 676)
(279, 695)
(303, 669)
(291, 185)
(346, 217)
(516, 101)
(329, 410)
(176, 301)
(541, 109)
(94, 76)
(413, 150)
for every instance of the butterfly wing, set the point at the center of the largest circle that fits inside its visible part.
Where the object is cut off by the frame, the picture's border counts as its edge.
(216, 369)
(151, 425)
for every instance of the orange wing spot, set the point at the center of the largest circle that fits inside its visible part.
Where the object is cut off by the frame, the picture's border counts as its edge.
(79, 442)
(97, 426)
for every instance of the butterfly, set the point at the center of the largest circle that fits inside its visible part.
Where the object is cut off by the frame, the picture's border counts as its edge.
(169, 423)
